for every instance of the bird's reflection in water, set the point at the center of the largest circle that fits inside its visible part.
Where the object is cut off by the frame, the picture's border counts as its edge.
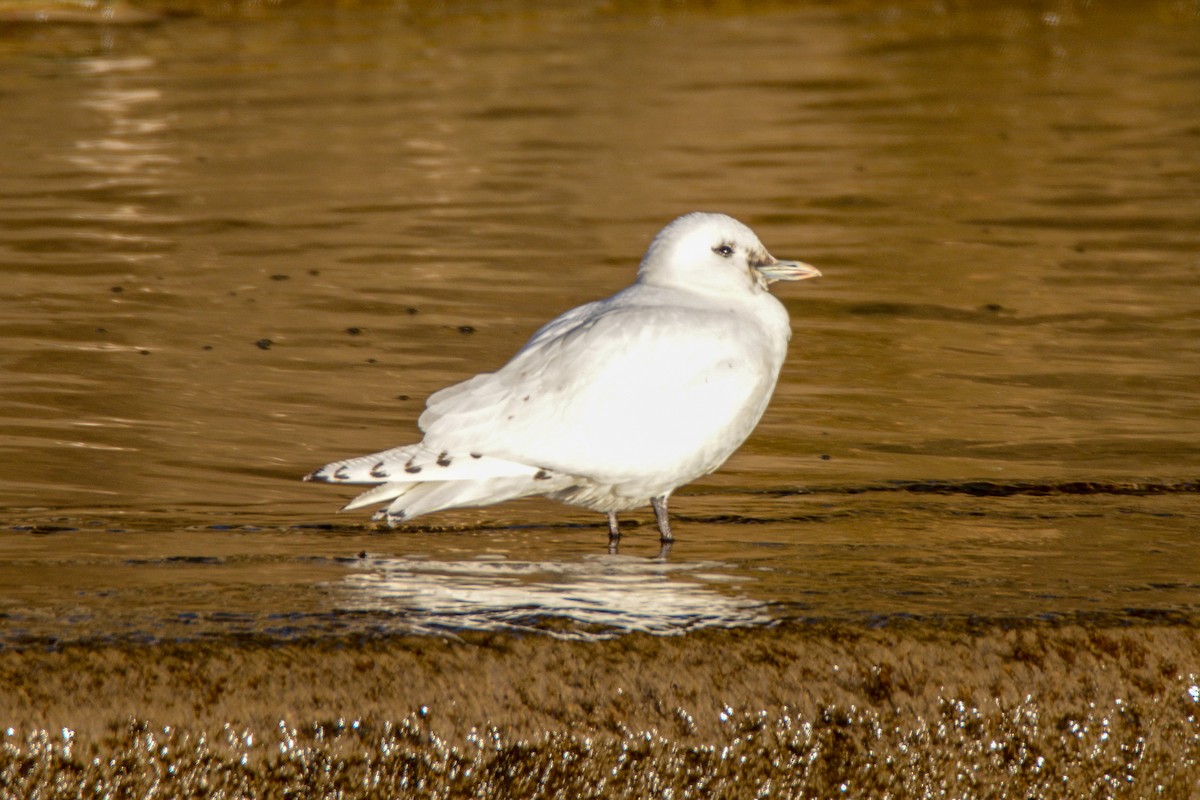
(596, 597)
(664, 550)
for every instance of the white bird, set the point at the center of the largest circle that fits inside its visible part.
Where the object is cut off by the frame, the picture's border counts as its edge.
(613, 404)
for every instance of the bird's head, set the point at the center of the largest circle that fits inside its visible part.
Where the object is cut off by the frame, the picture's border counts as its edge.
(715, 253)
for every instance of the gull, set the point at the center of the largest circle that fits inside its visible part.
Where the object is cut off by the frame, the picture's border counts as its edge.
(610, 405)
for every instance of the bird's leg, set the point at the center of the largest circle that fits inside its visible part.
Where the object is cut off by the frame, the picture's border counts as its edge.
(659, 504)
(614, 533)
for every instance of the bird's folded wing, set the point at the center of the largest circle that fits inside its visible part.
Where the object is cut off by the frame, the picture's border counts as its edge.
(630, 384)
(486, 389)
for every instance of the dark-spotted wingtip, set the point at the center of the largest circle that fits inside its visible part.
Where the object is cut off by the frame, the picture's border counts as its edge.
(317, 475)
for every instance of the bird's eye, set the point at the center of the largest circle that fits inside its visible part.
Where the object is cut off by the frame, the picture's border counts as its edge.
(723, 250)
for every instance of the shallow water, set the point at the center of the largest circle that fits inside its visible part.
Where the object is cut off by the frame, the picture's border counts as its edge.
(239, 246)
(236, 245)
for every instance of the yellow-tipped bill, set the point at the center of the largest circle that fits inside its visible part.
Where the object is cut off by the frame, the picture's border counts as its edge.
(774, 270)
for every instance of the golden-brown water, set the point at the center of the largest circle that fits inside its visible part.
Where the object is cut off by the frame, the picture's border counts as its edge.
(236, 245)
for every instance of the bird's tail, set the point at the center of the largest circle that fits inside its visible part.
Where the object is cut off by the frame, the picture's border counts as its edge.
(415, 480)
(411, 500)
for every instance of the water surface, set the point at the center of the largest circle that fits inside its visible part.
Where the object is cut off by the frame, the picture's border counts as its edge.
(237, 246)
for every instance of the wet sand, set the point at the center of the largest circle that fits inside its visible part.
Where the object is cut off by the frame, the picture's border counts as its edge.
(912, 708)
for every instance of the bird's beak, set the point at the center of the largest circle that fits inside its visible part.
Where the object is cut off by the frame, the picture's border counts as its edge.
(775, 270)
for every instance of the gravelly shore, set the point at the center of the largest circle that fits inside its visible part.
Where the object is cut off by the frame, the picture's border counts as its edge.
(907, 709)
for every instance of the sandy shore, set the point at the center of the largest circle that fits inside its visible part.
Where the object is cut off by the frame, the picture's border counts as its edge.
(1014, 709)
